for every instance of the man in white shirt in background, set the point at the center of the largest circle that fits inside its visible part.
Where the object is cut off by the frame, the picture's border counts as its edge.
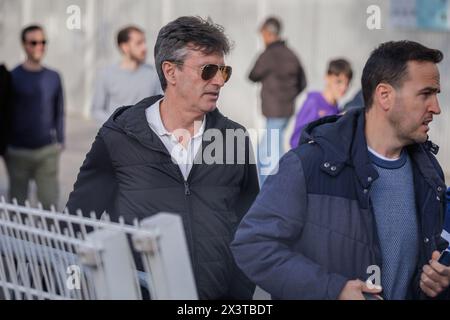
(127, 82)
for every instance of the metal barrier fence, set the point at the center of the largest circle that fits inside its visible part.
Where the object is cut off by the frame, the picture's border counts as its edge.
(54, 255)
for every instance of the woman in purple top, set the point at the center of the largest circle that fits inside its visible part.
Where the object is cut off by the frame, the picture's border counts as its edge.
(320, 104)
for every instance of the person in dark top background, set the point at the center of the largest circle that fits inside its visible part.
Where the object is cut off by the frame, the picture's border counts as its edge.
(37, 123)
(5, 100)
(282, 78)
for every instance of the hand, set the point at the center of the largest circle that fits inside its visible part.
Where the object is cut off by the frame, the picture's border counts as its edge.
(354, 289)
(435, 277)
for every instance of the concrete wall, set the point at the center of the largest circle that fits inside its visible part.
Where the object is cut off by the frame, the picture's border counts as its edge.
(316, 29)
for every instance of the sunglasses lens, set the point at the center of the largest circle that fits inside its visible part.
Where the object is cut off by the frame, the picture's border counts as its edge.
(35, 43)
(209, 71)
(226, 73)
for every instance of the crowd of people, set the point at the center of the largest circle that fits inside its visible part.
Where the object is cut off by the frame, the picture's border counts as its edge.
(360, 187)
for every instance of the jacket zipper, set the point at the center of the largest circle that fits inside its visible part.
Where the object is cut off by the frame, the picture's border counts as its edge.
(187, 194)
(187, 191)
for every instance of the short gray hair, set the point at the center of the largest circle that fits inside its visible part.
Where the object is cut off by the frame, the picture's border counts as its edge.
(177, 37)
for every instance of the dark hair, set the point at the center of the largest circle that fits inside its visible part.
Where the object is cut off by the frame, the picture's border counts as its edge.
(196, 33)
(30, 28)
(123, 35)
(272, 25)
(340, 66)
(388, 64)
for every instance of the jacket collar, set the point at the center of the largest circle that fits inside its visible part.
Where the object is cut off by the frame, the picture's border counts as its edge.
(365, 171)
(343, 142)
(132, 121)
(420, 154)
(153, 116)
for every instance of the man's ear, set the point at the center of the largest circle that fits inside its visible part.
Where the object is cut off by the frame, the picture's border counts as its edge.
(123, 48)
(169, 72)
(384, 96)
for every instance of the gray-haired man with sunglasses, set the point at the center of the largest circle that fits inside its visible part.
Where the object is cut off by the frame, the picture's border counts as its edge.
(148, 158)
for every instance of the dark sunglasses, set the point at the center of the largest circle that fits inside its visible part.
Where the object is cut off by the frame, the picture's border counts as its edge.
(209, 71)
(35, 43)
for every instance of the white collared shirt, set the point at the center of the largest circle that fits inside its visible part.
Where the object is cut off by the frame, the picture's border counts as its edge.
(182, 156)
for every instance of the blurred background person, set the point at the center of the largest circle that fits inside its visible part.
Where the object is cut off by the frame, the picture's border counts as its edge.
(129, 81)
(5, 107)
(325, 103)
(37, 123)
(282, 77)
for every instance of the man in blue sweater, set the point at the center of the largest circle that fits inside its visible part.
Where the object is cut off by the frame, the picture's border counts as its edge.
(357, 209)
(37, 123)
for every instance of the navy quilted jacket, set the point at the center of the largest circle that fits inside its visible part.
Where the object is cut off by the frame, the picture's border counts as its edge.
(312, 227)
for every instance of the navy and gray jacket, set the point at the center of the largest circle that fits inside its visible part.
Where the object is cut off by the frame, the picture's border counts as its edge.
(312, 227)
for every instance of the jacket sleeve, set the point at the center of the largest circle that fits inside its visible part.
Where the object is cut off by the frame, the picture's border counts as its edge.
(95, 187)
(260, 69)
(250, 184)
(262, 245)
(443, 242)
(446, 230)
(301, 79)
(241, 287)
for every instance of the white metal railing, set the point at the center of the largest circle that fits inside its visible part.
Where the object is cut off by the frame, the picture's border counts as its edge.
(54, 255)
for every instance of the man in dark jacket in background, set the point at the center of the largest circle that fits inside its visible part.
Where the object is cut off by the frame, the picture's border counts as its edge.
(282, 78)
(153, 157)
(358, 207)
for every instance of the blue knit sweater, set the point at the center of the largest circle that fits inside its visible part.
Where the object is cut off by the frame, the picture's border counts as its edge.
(393, 201)
(38, 110)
